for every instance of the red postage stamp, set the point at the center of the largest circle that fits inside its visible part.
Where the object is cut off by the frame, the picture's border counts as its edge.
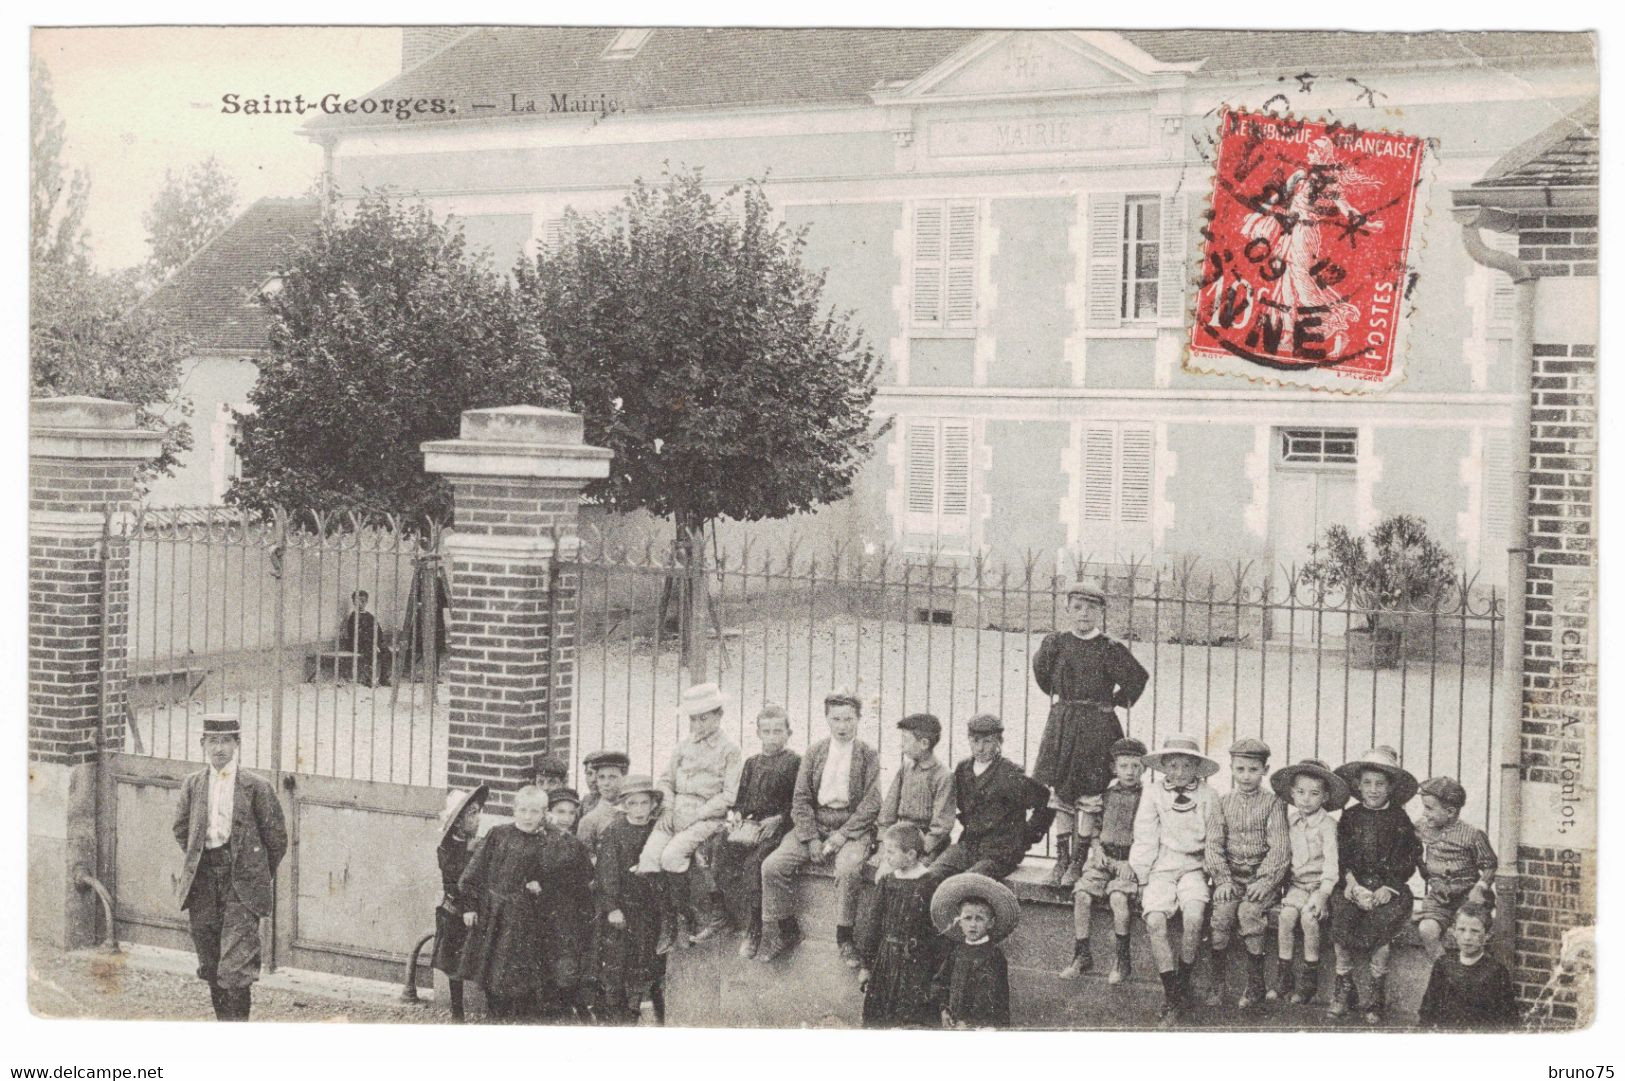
(1306, 265)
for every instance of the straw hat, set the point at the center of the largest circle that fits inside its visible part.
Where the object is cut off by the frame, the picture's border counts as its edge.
(1180, 743)
(959, 888)
(701, 698)
(222, 724)
(1383, 760)
(458, 801)
(1337, 792)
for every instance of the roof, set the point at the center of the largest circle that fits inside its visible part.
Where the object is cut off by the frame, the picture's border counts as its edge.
(700, 67)
(1563, 155)
(209, 296)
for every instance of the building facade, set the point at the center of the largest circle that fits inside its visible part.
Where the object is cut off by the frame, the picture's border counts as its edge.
(1014, 219)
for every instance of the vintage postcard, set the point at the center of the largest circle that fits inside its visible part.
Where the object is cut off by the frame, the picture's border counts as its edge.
(790, 527)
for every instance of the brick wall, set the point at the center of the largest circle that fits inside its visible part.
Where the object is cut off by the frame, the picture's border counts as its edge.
(1557, 885)
(1558, 244)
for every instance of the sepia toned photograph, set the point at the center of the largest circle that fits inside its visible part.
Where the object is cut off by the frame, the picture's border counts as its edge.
(809, 527)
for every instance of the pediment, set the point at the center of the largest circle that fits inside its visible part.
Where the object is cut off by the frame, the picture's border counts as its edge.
(1035, 63)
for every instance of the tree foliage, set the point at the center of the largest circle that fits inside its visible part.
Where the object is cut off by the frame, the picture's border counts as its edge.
(384, 331)
(1395, 567)
(88, 333)
(699, 349)
(190, 209)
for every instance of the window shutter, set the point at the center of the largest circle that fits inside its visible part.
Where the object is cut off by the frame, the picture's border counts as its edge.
(961, 303)
(954, 519)
(1497, 497)
(1099, 473)
(1171, 270)
(922, 470)
(1134, 477)
(1103, 288)
(552, 234)
(1503, 294)
(929, 244)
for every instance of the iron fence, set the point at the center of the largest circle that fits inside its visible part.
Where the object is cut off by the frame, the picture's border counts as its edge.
(250, 614)
(1238, 650)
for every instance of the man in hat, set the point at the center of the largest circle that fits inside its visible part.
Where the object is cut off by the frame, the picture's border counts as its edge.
(360, 636)
(1248, 855)
(608, 771)
(699, 784)
(833, 811)
(1003, 811)
(1088, 678)
(230, 825)
(922, 792)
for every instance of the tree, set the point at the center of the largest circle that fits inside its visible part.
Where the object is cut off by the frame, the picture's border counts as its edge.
(88, 333)
(188, 211)
(698, 348)
(383, 332)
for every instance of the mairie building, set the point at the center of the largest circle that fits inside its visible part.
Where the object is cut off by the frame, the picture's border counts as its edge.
(1014, 220)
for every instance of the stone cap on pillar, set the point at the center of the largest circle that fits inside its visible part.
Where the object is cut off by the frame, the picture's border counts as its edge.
(518, 441)
(80, 427)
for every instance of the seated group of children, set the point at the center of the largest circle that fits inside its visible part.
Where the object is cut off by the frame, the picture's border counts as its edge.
(1226, 863)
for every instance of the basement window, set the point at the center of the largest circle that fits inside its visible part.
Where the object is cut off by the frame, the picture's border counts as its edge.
(626, 44)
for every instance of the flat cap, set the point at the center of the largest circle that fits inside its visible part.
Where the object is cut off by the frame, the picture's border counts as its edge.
(1250, 748)
(1447, 790)
(564, 795)
(1129, 745)
(1087, 588)
(551, 765)
(985, 724)
(922, 724)
(607, 758)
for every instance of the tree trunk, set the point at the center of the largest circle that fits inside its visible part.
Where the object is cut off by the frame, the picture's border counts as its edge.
(691, 591)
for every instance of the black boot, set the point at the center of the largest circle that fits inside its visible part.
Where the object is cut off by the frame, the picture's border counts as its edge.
(1218, 961)
(457, 1001)
(1254, 994)
(1283, 980)
(1082, 960)
(1063, 860)
(1310, 987)
(222, 1007)
(1121, 967)
(1377, 1002)
(1173, 999)
(1343, 995)
(753, 936)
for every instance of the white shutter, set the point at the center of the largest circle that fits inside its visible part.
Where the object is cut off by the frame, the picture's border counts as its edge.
(961, 297)
(1099, 473)
(1503, 294)
(922, 475)
(1497, 496)
(1103, 285)
(1171, 270)
(929, 252)
(552, 234)
(954, 520)
(1134, 476)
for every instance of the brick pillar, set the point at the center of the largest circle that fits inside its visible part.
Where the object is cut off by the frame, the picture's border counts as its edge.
(82, 458)
(516, 476)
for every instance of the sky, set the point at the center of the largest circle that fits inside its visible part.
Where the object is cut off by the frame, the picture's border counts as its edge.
(139, 100)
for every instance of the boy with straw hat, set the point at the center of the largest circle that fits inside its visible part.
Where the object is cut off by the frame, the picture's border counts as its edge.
(1379, 851)
(1170, 844)
(459, 828)
(1312, 792)
(972, 986)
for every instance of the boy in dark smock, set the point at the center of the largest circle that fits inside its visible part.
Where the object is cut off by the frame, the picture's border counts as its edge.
(767, 784)
(630, 969)
(507, 950)
(566, 903)
(1469, 990)
(972, 985)
(1087, 676)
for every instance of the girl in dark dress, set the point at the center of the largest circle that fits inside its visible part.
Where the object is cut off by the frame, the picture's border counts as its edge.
(500, 889)
(900, 946)
(459, 825)
(1088, 677)
(631, 971)
(971, 988)
(566, 903)
(1377, 852)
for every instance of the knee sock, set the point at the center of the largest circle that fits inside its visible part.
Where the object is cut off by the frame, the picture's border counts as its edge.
(1170, 985)
(1080, 946)
(789, 926)
(843, 934)
(1255, 965)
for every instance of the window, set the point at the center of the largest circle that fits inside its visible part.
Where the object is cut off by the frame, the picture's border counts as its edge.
(224, 464)
(1142, 244)
(1503, 299)
(1496, 499)
(626, 44)
(1320, 446)
(552, 233)
(938, 484)
(1117, 477)
(944, 265)
(1135, 273)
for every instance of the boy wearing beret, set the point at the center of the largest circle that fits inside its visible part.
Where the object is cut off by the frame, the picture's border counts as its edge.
(1248, 854)
(1106, 873)
(1088, 678)
(1458, 864)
